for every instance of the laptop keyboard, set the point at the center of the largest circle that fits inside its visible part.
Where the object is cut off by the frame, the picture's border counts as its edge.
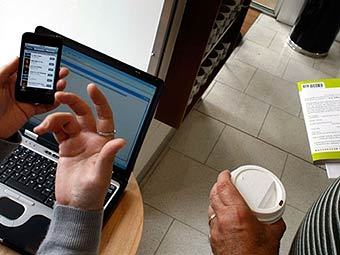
(33, 175)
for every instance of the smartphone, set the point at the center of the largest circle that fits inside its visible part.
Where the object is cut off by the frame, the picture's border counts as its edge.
(38, 70)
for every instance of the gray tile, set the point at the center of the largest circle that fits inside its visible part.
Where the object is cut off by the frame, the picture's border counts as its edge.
(297, 71)
(335, 49)
(205, 94)
(279, 44)
(153, 144)
(275, 91)
(180, 187)
(197, 136)
(331, 63)
(262, 58)
(260, 35)
(329, 66)
(235, 108)
(301, 115)
(234, 148)
(272, 23)
(236, 74)
(183, 240)
(293, 218)
(286, 132)
(149, 171)
(155, 227)
(304, 183)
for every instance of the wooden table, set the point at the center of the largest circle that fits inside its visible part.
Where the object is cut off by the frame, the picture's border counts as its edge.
(123, 231)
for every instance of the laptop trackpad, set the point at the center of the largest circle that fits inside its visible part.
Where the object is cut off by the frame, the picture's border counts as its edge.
(10, 209)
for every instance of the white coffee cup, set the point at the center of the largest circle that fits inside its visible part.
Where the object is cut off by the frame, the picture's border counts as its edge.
(262, 190)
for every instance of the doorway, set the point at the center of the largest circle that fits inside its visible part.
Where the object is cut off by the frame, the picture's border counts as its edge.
(270, 7)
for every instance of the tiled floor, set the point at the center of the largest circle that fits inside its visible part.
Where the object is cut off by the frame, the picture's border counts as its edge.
(251, 115)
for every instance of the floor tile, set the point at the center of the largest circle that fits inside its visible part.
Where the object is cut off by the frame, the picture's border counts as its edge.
(331, 63)
(287, 132)
(236, 74)
(335, 49)
(155, 227)
(183, 240)
(197, 136)
(293, 218)
(145, 178)
(153, 144)
(272, 23)
(235, 148)
(275, 91)
(279, 44)
(205, 94)
(296, 71)
(301, 115)
(304, 183)
(262, 58)
(260, 35)
(180, 187)
(235, 108)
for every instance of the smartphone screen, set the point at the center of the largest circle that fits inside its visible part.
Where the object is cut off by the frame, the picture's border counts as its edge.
(38, 69)
(39, 66)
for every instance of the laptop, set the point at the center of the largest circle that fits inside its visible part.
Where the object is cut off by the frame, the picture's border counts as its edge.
(27, 175)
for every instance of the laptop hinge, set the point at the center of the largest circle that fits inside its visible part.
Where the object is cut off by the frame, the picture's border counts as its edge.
(31, 134)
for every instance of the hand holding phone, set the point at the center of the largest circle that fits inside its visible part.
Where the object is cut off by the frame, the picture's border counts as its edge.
(38, 68)
(13, 113)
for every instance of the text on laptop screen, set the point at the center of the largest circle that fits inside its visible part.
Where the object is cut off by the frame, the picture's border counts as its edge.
(129, 97)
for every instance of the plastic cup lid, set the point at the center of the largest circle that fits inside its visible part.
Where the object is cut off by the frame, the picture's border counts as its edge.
(262, 190)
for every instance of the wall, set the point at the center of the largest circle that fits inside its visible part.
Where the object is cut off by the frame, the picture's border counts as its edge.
(124, 29)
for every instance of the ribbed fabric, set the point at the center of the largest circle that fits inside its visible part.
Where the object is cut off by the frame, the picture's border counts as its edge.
(8, 145)
(319, 232)
(72, 231)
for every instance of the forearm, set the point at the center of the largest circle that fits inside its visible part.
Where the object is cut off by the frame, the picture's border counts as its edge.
(8, 145)
(73, 231)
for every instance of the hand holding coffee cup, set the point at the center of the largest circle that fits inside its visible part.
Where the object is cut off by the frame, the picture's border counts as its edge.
(234, 228)
(262, 190)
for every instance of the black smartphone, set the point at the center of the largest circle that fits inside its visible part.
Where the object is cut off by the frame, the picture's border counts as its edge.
(38, 70)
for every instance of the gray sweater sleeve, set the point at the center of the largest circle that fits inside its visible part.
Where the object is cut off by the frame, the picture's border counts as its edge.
(7, 146)
(72, 231)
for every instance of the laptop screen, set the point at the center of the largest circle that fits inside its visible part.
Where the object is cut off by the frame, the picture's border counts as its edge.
(129, 97)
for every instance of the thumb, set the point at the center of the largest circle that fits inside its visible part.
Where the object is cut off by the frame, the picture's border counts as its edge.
(109, 151)
(8, 70)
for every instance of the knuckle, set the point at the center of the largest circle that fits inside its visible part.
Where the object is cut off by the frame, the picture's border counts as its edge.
(241, 214)
(214, 236)
(220, 187)
(213, 191)
(235, 217)
(69, 116)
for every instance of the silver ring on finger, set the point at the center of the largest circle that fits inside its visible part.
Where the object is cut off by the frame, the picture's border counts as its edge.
(213, 216)
(110, 135)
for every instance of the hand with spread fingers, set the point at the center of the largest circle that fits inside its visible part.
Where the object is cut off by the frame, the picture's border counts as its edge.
(234, 229)
(86, 152)
(14, 114)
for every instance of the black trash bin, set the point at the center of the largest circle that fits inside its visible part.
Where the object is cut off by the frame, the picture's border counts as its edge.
(316, 28)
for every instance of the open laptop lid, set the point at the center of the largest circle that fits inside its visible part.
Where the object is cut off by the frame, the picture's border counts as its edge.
(132, 94)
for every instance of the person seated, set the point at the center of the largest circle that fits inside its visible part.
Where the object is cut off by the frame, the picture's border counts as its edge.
(85, 159)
